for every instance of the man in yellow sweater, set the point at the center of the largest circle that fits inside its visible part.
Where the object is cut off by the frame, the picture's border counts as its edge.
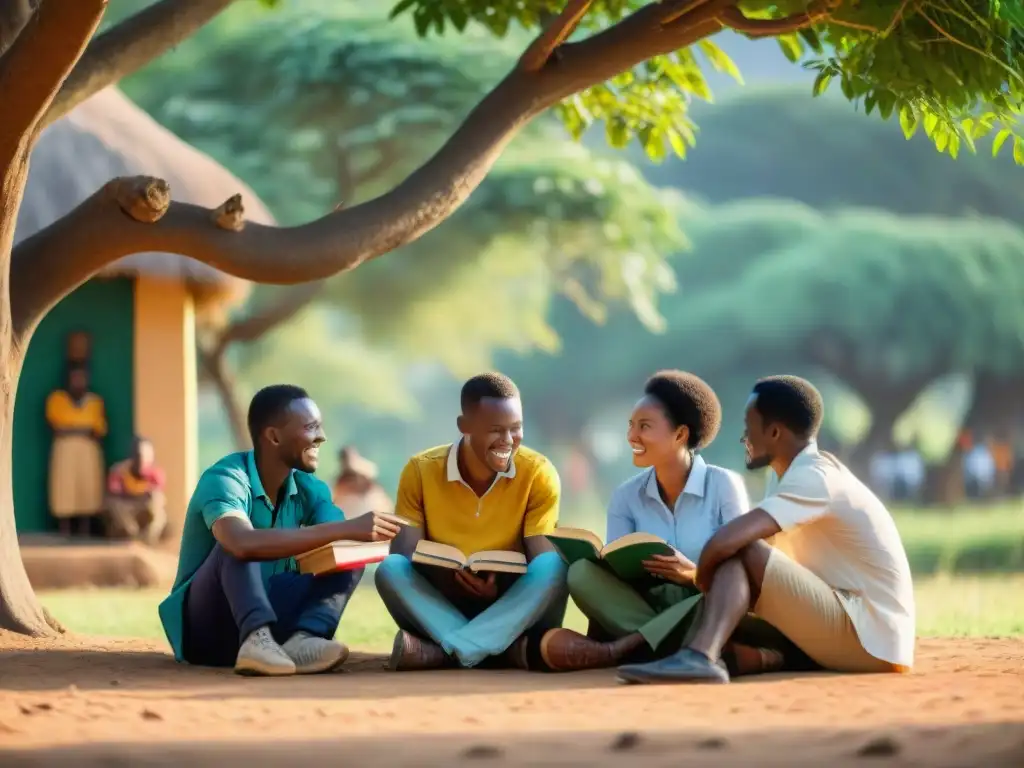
(483, 492)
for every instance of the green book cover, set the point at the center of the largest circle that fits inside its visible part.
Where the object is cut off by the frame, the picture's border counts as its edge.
(573, 549)
(627, 563)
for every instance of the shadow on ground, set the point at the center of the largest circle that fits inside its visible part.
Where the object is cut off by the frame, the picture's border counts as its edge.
(995, 745)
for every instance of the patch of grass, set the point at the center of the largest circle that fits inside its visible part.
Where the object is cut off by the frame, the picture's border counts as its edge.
(962, 606)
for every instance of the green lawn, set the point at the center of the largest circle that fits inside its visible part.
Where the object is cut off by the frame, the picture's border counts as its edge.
(947, 606)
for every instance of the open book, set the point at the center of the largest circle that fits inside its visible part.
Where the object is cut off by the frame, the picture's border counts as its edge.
(445, 556)
(624, 556)
(342, 556)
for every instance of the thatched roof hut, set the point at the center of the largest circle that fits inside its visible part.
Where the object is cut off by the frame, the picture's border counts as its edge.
(109, 136)
(141, 312)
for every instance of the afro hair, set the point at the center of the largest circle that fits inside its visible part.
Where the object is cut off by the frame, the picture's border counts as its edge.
(688, 402)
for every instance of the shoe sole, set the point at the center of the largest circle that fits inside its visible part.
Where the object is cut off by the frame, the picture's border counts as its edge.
(328, 665)
(256, 669)
(396, 653)
(638, 680)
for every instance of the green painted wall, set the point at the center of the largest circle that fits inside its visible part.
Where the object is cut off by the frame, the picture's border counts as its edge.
(105, 309)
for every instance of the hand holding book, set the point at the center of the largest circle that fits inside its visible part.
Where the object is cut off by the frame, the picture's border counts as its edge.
(484, 587)
(675, 567)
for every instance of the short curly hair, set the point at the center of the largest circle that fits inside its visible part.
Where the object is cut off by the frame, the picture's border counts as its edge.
(688, 402)
(496, 385)
(791, 401)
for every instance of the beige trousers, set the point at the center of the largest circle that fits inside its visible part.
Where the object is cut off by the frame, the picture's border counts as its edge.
(807, 611)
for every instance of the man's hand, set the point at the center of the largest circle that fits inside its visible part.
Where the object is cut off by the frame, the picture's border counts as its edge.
(675, 568)
(483, 588)
(372, 526)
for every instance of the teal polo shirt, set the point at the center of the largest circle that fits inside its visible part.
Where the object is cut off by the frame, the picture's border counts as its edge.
(232, 487)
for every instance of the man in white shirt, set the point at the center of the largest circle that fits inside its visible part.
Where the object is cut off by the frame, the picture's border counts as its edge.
(835, 579)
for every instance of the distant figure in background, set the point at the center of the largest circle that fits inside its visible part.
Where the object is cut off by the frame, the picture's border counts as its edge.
(79, 349)
(979, 471)
(356, 490)
(1001, 448)
(79, 422)
(135, 496)
(910, 473)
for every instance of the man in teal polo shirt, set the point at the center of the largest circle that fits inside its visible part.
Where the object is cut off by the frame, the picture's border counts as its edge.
(238, 598)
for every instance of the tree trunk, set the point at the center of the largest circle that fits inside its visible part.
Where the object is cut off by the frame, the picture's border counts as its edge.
(20, 611)
(216, 368)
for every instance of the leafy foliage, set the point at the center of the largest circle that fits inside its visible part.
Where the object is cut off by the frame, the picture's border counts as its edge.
(775, 142)
(951, 66)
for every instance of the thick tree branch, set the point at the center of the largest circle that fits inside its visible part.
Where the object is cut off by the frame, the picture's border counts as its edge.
(556, 32)
(131, 45)
(816, 12)
(40, 58)
(60, 257)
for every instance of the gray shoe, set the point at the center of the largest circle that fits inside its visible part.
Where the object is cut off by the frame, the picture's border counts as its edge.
(686, 666)
(261, 655)
(313, 655)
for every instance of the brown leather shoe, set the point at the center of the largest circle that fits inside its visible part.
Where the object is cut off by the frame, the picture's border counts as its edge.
(564, 650)
(410, 653)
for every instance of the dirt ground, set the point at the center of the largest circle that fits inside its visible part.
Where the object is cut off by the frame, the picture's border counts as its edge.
(125, 702)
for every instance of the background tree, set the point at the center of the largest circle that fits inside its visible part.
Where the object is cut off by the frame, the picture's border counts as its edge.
(898, 303)
(957, 91)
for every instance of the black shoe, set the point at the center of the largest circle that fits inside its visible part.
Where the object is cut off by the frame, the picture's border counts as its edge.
(686, 666)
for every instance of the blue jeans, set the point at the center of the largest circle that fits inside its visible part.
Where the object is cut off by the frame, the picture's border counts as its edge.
(228, 600)
(468, 630)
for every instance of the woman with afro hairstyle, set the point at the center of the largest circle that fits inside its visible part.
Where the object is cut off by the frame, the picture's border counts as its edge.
(678, 497)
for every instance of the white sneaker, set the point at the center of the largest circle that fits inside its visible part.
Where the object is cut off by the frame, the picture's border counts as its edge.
(314, 654)
(261, 655)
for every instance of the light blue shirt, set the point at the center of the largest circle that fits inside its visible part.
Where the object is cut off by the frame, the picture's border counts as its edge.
(712, 497)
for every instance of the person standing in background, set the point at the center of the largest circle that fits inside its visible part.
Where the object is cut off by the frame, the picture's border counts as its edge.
(79, 423)
(356, 489)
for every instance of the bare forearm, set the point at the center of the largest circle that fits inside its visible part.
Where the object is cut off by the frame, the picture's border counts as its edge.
(278, 543)
(737, 534)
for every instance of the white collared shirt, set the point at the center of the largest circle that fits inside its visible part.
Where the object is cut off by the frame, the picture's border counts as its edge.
(833, 525)
(712, 497)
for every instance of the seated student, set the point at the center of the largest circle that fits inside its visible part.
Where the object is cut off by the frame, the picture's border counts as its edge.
(484, 492)
(238, 599)
(135, 497)
(835, 579)
(678, 497)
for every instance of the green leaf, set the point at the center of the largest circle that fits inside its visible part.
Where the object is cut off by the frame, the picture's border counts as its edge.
(821, 82)
(812, 39)
(791, 47)
(401, 7)
(869, 103)
(720, 60)
(954, 145)
(1000, 139)
(908, 121)
(677, 142)
(941, 138)
(931, 121)
(1018, 150)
